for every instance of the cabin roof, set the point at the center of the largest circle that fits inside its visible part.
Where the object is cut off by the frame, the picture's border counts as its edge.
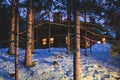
(94, 29)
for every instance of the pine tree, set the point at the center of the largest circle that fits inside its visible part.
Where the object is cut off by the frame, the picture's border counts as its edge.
(29, 48)
(16, 40)
(77, 68)
(12, 37)
(68, 19)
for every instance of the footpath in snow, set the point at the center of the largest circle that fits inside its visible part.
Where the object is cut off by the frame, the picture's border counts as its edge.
(56, 65)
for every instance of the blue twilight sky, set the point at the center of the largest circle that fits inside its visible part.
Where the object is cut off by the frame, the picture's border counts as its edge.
(23, 13)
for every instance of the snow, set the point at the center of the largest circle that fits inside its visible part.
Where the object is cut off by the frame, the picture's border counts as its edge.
(99, 65)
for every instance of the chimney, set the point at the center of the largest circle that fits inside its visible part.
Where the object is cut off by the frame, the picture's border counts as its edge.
(92, 20)
(57, 17)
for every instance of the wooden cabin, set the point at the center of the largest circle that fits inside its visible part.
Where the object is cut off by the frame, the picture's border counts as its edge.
(56, 35)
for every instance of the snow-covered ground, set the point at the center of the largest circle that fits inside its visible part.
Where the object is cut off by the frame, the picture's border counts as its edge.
(56, 65)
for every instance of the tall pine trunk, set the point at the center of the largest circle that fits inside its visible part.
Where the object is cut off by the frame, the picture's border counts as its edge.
(16, 40)
(77, 68)
(68, 19)
(29, 48)
(33, 33)
(12, 37)
(33, 40)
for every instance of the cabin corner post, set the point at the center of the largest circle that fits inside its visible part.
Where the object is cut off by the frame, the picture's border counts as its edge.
(86, 44)
(49, 36)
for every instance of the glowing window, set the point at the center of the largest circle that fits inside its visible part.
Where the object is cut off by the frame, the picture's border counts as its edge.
(51, 40)
(103, 40)
(66, 39)
(44, 41)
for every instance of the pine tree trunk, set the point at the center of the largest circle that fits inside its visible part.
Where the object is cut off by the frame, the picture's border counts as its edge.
(77, 68)
(29, 48)
(33, 34)
(12, 37)
(33, 41)
(68, 19)
(16, 41)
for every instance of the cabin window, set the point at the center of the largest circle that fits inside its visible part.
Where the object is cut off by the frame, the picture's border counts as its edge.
(66, 39)
(51, 40)
(88, 44)
(44, 41)
(103, 40)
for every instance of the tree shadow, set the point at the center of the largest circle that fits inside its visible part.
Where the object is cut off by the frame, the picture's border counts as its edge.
(103, 56)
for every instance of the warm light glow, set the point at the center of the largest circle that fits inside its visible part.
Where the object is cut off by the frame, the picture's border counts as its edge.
(103, 40)
(44, 41)
(66, 39)
(88, 43)
(51, 40)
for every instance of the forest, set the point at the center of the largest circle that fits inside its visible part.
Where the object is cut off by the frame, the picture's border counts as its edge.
(59, 39)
